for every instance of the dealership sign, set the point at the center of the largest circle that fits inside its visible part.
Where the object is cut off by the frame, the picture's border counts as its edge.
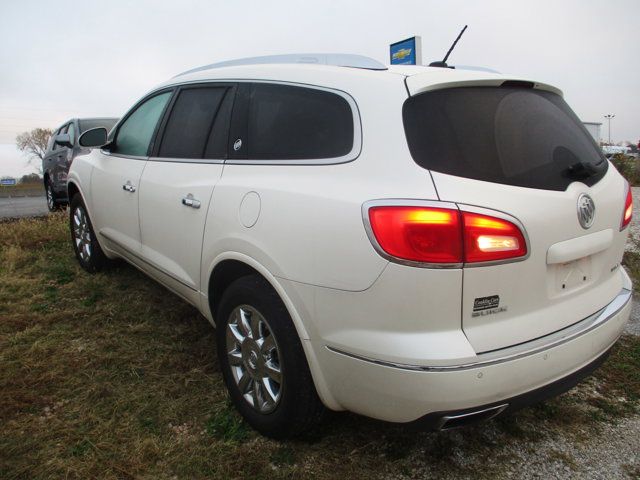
(406, 52)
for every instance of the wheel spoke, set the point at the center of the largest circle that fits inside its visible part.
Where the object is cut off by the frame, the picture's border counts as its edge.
(236, 333)
(268, 345)
(254, 325)
(244, 384)
(270, 396)
(235, 358)
(257, 395)
(273, 371)
(243, 322)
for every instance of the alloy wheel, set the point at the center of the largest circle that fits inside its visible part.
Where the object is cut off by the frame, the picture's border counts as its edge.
(82, 234)
(50, 202)
(254, 358)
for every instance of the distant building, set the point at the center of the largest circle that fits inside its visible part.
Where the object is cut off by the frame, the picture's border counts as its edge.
(594, 130)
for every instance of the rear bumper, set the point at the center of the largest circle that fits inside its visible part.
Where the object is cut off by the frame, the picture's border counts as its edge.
(507, 378)
(456, 418)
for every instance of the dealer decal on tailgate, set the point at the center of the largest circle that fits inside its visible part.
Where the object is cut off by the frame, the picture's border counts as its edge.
(487, 306)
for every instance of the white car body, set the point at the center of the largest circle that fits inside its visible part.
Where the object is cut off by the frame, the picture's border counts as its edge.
(385, 339)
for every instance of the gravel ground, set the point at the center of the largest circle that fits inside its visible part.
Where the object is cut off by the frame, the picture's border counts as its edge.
(613, 453)
(635, 221)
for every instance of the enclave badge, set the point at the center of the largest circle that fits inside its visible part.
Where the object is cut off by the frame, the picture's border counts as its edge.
(586, 210)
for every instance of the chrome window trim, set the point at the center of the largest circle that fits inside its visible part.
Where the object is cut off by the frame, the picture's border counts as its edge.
(215, 161)
(129, 157)
(538, 345)
(438, 204)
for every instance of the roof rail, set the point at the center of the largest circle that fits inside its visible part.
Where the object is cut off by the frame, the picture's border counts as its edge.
(475, 68)
(336, 59)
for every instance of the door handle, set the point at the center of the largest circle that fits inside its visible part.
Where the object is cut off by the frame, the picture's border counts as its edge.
(189, 201)
(128, 187)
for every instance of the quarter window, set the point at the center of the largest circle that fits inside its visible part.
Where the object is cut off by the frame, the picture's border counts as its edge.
(192, 122)
(289, 122)
(135, 133)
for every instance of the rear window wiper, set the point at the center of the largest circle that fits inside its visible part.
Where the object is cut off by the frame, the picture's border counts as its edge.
(582, 170)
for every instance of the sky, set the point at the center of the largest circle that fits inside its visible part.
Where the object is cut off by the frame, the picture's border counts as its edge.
(67, 59)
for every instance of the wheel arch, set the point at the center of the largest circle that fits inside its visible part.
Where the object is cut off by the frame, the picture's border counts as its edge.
(72, 189)
(230, 266)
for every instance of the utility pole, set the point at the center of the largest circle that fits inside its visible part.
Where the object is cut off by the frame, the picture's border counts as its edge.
(609, 117)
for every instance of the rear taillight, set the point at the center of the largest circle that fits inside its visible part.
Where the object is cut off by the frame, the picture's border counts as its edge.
(488, 239)
(433, 235)
(628, 209)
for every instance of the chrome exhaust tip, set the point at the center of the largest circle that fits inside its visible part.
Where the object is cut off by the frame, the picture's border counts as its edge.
(455, 421)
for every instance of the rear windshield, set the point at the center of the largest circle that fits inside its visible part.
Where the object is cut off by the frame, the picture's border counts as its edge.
(89, 123)
(509, 135)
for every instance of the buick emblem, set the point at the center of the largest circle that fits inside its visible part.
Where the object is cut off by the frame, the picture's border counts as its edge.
(586, 210)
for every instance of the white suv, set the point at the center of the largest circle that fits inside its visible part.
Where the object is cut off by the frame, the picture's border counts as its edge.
(412, 244)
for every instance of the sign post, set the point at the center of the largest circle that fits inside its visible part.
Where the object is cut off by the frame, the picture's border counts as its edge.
(406, 52)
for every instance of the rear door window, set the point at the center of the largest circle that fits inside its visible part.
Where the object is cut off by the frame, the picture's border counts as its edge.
(290, 122)
(508, 135)
(192, 127)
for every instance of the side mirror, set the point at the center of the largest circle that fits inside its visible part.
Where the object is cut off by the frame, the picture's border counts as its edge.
(94, 138)
(64, 139)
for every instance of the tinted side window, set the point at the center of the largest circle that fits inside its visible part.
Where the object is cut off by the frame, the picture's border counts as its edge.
(288, 122)
(51, 144)
(72, 133)
(54, 145)
(191, 122)
(134, 135)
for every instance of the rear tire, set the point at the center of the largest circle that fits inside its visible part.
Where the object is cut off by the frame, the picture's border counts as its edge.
(85, 244)
(262, 361)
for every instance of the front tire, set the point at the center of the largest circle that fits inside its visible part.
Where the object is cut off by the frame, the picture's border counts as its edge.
(52, 203)
(262, 361)
(85, 244)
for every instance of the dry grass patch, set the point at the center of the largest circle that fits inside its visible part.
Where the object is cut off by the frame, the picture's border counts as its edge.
(109, 376)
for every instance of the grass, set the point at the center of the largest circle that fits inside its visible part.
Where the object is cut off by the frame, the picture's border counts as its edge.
(108, 376)
(631, 261)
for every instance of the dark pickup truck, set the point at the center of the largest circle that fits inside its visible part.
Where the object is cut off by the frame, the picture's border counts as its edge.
(63, 147)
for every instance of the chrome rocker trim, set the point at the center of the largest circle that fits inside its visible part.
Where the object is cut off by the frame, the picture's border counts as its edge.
(515, 352)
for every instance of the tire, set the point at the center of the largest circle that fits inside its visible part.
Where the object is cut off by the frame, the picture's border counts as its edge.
(52, 203)
(84, 241)
(283, 409)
